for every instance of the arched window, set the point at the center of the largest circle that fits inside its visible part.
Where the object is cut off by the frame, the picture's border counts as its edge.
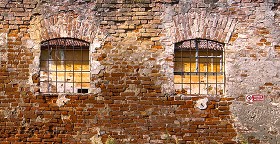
(199, 67)
(64, 66)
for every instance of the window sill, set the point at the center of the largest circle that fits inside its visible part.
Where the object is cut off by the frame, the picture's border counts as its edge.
(192, 96)
(67, 94)
(199, 73)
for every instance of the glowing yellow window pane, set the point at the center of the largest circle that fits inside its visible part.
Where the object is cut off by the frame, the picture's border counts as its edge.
(85, 77)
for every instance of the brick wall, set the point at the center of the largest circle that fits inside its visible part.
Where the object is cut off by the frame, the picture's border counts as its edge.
(132, 97)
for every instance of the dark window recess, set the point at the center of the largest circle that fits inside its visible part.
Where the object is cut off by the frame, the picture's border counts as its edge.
(64, 66)
(199, 67)
(82, 90)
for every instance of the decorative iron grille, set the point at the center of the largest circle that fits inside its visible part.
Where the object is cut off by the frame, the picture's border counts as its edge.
(199, 67)
(64, 66)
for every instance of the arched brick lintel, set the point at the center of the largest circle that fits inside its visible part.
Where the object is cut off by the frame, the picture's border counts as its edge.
(64, 25)
(203, 25)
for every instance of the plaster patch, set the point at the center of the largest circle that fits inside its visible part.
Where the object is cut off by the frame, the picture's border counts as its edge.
(30, 44)
(96, 67)
(62, 100)
(94, 46)
(95, 90)
(202, 103)
(3, 39)
(96, 140)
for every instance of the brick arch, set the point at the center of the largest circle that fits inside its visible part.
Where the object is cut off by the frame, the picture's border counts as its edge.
(67, 24)
(203, 25)
(62, 25)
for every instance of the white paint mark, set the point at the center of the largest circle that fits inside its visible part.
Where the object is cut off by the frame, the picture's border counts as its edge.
(202, 103)
(62, 100)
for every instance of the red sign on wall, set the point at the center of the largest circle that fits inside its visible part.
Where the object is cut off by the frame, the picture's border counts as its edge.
(254, 97)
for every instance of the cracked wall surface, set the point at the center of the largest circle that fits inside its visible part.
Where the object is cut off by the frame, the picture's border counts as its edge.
(131, 93)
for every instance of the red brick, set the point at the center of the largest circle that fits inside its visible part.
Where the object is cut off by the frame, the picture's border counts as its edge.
(33, 139)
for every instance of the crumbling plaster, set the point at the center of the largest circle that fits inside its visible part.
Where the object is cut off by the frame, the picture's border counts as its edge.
(260, 120)
(53, 22)
(249, 29)
(252, 67)
(250, 34)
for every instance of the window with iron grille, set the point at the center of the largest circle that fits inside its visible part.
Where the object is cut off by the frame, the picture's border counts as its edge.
(64, 66)
(199, 67)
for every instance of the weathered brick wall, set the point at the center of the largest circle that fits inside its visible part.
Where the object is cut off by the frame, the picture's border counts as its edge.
(132, 98)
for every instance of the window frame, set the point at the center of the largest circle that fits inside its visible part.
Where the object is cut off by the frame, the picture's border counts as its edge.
(199, 45)
(65, 44)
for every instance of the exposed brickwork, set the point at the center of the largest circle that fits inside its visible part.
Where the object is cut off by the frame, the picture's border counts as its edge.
(131, 48)
(41, 120)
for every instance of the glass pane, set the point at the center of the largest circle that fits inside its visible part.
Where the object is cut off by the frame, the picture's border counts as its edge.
(61, 76)
(220, 79)
(69, 87)
(78, 55)
(53, 54)
(203, 78)
(186, 78)
(60, 87)
(211, 89)
(177, 54)
(195, 78)
(218, 53)
(77, 86)
(203, 63)
(43, 76)
(212, 78)
(195, 88)
(178, 65)
(203, 88)
(187, 88)
(187, 66)
(203, 53)
(85, 66)
(69, 76)
(193, 66)
(44, 87)
(44, 55)
(85, 55)
(177, 79)
(52, 65)
(69, 55)
(220, 89)
(58, 54)
(60, 65)
(85, 77)
(69, 65)
(213, 67)
(217, 67)
(85, 85)
(77, 65)
(52, 76)
(77, 77)
(43, 65)
(178, 87)
(52, 87)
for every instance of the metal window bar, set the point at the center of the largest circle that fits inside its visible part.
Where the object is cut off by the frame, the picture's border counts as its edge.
(190, 69)
(56, 63)
(197, 46)
(61, 46)
(207, 81)
(197, 62)
(73, 63)
(49, 54)
(182, 77)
